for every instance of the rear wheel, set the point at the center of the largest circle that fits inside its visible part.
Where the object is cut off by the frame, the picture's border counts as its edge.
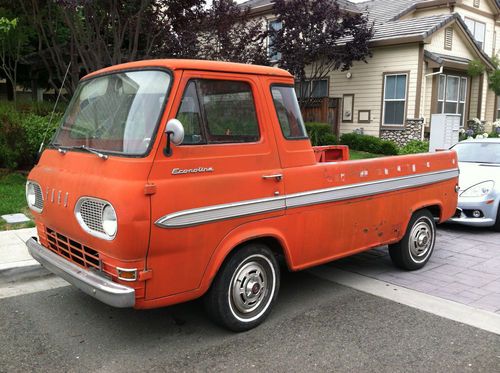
(417, 245)
(245, 289)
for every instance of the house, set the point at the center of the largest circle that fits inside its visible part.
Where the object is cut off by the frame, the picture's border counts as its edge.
(419, 66)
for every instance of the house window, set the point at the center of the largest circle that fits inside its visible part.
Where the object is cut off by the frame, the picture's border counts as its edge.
(497, 112)
(478, 30)
(395, 86)
(452, 94)
(312, 88)
(448, 38)
(274, 55)
(476, 3)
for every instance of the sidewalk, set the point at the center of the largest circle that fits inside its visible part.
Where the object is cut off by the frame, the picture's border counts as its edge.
(13, 251)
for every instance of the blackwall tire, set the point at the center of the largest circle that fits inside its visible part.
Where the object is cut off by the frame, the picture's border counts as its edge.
(415, 249)
(245, 288)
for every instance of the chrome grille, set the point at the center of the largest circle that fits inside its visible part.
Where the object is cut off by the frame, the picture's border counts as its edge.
(91, 213)
(38, 196)
(74, 251)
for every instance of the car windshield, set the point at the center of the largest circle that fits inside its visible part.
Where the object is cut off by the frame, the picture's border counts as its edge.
(478, 152)
(115, 113)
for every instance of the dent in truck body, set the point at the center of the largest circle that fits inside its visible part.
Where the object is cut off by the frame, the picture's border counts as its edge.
(317, 212)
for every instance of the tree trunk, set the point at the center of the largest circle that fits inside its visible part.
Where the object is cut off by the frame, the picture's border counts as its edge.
(10, 91)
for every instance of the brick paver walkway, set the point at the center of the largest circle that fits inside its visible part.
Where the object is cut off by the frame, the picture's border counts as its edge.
(465, 267)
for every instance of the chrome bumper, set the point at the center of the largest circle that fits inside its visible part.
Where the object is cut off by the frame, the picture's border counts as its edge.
(99, 287)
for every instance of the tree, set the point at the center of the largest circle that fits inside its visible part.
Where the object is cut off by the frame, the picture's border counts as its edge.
(230, 34)
(13, 45)
(318, 37)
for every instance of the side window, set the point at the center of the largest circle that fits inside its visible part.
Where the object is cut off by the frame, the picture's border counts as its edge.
(288, 112)
(218, 111)
(190, 116)
(229, 111)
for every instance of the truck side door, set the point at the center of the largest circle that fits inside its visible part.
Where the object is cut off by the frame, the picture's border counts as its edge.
(220, 177)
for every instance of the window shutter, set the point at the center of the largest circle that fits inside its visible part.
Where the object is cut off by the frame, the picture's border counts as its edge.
(476, 3)
(448, 38)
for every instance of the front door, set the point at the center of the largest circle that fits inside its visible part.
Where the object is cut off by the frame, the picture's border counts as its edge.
(215, 181)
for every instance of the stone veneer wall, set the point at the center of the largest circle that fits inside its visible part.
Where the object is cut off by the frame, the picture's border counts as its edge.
(402, 136)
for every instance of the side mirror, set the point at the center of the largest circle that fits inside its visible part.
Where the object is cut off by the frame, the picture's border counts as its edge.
(175, 135)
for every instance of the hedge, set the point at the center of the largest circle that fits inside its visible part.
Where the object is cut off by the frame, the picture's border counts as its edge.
(320, 134)
(370, 144)
(21, 132)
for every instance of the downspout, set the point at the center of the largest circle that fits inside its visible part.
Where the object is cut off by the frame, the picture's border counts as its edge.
(425, 92)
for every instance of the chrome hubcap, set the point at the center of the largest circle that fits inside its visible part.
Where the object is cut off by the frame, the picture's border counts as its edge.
(421, 240)
(249, 287)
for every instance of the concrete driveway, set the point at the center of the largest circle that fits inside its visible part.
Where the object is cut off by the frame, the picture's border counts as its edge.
(464, 268)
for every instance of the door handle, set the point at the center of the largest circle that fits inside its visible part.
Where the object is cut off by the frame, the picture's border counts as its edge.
(276, 177)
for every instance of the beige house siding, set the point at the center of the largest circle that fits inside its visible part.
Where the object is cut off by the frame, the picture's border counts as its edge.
(460, 46)
(474, 95)
(366, 84)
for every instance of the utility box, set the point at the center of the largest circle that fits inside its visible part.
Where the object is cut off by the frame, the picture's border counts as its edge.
(445, 129)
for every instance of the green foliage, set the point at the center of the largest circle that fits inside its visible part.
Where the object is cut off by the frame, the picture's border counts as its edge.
(320, 134)
(494, 81)
(415, 146)
(475, 68)
(13, 199)
(21, 133)
(369, 144)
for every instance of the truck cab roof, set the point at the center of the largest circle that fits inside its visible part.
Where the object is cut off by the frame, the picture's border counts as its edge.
(182, 64)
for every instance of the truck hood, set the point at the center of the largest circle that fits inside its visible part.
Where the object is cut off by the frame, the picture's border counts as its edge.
(65, 178)
(474, 173)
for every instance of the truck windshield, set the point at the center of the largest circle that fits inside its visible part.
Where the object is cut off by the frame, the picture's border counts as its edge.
(115, 113)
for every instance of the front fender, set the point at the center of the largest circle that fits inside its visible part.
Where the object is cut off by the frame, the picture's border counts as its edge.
(239, 235)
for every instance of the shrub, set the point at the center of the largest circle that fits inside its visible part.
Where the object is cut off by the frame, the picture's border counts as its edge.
(21, 133)
(320, 134)
(415, 146)
(369, 144)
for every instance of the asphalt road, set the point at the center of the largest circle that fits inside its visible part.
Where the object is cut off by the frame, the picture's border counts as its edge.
(316, 326)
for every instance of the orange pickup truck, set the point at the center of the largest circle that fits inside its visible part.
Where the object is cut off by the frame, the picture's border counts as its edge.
(169, 180)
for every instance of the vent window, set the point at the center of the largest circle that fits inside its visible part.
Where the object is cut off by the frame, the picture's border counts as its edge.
(476, 3)
(448, 38)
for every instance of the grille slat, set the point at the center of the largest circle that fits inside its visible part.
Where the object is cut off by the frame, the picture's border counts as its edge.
(74, 251)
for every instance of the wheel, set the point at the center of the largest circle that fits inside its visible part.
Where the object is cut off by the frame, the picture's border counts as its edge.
(245, 288)
(417, 245)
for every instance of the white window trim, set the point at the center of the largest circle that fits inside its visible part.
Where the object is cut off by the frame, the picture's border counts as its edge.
(459, 101)
(384, 100)
(474, 31)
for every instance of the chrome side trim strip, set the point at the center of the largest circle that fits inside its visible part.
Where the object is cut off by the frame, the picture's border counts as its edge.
(203, 215)
(367, 189)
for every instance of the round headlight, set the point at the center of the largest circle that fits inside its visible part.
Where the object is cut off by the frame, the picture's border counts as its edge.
(109, 221)
(30, 194)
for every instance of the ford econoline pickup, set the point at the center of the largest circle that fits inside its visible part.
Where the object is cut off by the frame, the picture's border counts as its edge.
(169, 180)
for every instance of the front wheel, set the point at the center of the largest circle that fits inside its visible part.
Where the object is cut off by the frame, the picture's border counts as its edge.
(496, 227)
(245, 288)
(417, 245)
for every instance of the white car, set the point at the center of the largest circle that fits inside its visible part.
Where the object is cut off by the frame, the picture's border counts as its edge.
(479, 195)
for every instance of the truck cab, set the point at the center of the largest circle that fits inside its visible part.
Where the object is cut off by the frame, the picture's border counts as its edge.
(169, 180)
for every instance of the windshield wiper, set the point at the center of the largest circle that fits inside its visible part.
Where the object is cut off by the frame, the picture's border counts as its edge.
(63, 149)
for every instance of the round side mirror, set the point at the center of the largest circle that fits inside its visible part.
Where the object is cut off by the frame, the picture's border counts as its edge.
(176, 131)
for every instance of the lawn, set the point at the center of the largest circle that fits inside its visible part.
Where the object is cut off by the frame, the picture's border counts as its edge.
(356, 154)
(12, 198)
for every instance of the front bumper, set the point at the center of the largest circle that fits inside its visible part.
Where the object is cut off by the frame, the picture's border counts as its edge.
(91, 283)
(489, 211)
